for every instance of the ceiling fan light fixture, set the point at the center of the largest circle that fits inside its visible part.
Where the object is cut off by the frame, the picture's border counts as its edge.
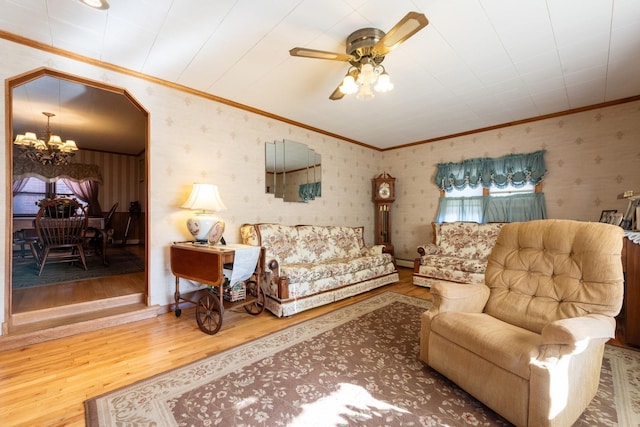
(348, 85)
(368, 74)
(384, 83)
(365, 93)
(366, 48)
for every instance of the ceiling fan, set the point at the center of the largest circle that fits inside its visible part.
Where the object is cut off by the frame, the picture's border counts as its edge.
(366, 49)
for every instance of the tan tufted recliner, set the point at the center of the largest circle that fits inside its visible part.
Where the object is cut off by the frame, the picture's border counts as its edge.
(529, 342)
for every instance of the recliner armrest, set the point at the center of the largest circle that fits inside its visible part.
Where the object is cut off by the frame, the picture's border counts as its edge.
(578, 331)
(449, 296)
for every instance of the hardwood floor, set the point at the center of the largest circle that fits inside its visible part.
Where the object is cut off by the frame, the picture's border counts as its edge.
(46, 384)
(60, 294)
(47, 312)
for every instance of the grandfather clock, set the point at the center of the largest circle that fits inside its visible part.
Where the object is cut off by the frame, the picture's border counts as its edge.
(383, 196)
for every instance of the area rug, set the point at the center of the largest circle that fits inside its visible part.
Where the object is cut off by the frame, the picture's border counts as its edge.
(356, 366)
(121, 261)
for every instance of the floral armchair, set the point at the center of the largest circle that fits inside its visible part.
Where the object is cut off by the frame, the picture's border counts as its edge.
(458, 253)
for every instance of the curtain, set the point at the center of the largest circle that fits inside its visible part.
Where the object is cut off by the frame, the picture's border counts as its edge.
(470, 209)
(77, 172)
(512, 169)
(460, 175)
(310, 191)
(18, 185)
(87, 191)
(515, 208)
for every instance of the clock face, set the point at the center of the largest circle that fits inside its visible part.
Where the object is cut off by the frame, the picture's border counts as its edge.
(384, 191)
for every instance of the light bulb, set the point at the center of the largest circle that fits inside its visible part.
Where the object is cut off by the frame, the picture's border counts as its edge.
(365, 92)
(384, 83)
(348, 85)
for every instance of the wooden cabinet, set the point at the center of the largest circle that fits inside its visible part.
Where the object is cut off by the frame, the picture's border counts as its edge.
(631, 310)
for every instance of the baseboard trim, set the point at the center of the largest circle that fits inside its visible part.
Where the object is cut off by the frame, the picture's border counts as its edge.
(404, 263)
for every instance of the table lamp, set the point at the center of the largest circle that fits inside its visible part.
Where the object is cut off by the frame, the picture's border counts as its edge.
(205, 200)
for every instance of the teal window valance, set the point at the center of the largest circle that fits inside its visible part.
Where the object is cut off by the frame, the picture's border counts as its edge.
(513, 169)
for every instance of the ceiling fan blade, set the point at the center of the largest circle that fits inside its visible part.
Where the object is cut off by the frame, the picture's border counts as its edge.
(319, 54)
(337, 94)
(405, 28)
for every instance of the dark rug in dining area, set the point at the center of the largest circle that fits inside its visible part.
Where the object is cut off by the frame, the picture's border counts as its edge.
(121, 261)
(354, 366)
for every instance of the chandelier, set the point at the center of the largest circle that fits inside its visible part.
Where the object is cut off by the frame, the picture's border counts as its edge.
(52, 152)
(364, 77)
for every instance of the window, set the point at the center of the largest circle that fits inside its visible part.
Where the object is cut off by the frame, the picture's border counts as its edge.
(511, 190)
(25, 201)
(492, 189)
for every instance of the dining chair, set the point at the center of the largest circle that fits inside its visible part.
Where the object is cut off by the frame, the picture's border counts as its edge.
(98, 238)
(60, 225)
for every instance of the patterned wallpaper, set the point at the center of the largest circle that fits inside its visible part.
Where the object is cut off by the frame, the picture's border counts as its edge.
(197, 140)
(120, 178)
(592, 156)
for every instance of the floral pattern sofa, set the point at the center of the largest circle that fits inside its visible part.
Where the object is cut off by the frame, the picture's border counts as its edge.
(309, 265)
(459, 253)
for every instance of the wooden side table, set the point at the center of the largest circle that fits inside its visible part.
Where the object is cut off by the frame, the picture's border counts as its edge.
(204, 264)
(631, 307)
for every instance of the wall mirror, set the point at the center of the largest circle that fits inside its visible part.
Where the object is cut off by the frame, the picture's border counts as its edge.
(293, 171)
(110, 129)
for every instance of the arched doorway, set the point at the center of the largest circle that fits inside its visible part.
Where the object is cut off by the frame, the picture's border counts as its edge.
(111, 130)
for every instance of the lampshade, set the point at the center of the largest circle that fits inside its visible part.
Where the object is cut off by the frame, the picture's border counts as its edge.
(206, 199)
(49, 150)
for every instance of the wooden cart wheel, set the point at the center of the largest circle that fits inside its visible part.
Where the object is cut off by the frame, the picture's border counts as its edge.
(255, 290)
(209, 312)
(176, 297)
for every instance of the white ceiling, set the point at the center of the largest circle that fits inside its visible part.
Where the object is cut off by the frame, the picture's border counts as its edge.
(94, 118)
(477, 64)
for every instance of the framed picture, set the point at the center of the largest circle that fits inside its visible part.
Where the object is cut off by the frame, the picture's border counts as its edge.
(605, 216)
(616, 218)
(215, 234)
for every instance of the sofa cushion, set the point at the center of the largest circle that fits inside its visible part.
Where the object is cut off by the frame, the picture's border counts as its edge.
(313, 244)
(455, 263)
(458, 239)
(486, 236)
(280, 243)
(345, 242)
(467, 239)
(303, 272)
(309, 279)
(449, 274)
(322, 243)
